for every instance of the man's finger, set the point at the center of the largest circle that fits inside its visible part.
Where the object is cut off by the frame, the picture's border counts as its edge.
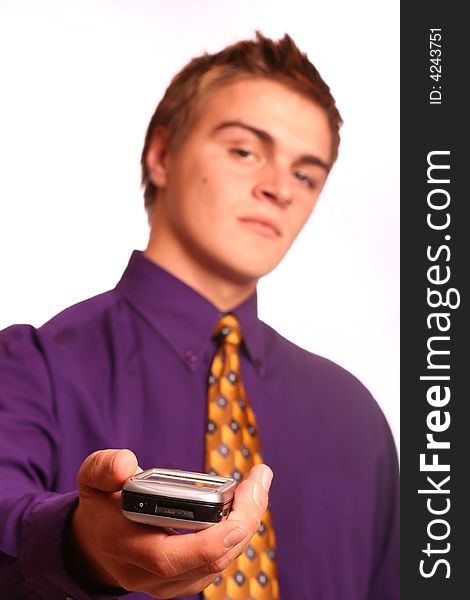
(106, 470)
(251, 496)
(175, 556)
(176, 589)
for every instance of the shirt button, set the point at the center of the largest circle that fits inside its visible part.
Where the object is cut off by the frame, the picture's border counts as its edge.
(191, 356)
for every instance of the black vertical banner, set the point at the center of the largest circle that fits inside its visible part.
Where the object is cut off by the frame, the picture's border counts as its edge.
(435, 266)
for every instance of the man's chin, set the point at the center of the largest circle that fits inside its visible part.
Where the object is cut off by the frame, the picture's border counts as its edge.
(251, 270)
(245, 267)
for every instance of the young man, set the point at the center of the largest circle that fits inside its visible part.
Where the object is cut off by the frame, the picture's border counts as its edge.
(174, 365)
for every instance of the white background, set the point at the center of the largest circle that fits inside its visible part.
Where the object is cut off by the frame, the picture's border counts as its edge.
(80, 80)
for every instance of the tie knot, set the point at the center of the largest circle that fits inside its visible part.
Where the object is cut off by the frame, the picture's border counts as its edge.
(228, 329)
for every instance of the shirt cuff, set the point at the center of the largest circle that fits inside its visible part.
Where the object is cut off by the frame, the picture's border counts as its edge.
(41, 558)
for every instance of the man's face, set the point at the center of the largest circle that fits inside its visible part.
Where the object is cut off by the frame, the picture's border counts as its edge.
(240, 187)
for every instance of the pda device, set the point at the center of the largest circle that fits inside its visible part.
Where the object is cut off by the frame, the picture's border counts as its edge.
(177, 499)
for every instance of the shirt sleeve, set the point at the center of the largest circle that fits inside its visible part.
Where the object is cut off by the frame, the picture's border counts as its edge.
(33, 516)
(385, 581)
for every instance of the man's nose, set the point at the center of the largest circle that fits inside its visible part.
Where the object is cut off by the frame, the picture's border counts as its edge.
(274, 184)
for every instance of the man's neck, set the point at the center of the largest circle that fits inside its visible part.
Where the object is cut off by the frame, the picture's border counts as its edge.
(222, 291)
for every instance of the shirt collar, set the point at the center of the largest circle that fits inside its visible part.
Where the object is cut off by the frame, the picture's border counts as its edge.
(184, 317)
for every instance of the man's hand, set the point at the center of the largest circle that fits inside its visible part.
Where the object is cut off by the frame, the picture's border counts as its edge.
(104, 549)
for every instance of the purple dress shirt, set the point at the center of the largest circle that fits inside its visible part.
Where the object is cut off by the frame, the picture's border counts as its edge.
(128, 369)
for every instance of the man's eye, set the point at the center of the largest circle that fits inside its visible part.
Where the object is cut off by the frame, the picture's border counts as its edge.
(242, 152)
(304, 178)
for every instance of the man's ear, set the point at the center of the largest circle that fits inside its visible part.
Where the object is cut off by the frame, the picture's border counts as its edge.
(157, 158)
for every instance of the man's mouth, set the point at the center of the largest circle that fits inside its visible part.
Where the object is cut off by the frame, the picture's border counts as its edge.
(262, 226)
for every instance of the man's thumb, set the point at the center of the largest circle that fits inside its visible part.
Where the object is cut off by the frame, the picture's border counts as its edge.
(106, 470)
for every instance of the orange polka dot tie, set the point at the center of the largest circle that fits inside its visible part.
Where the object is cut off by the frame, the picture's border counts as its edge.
(232, 448)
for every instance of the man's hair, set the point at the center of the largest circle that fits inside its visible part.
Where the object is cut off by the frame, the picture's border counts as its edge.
(280, 61)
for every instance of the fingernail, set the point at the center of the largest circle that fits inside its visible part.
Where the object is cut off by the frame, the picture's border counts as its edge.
(234, 538)
(266, 478)
(259, 493)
